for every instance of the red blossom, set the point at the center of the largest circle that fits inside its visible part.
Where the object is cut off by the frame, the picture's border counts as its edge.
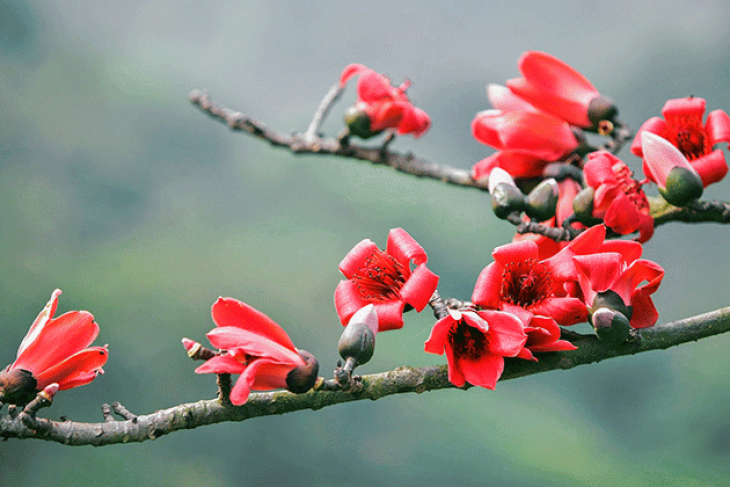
(682, 127)
(386, 106)
(55, 350)
(527, 138)
(618, 199)
(520, 283)
(385, 279)
(255, 347)
(554, 87)
(475, 344)
(623, 273)
(543, 335)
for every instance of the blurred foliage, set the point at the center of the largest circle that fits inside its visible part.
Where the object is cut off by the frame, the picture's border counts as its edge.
(143, 211)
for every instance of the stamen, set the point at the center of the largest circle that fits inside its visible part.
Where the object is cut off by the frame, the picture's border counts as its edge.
(688, 135)
(467, 342)
(630, 186)
(526, 283)
(380, 278)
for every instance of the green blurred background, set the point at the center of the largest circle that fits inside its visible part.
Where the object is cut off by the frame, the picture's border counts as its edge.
(142, 210)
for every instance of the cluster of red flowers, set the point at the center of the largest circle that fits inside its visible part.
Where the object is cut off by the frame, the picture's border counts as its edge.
(520, 300)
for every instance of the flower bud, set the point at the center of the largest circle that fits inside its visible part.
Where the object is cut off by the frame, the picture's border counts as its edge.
(602, 109)
(583, 207)
(301, 379)
(611, 326)
(17, 386)
(358, 339)
(358, 122)
(543, 200)
(560, 171)
(610, 299)
(49, 391)
(681, 186)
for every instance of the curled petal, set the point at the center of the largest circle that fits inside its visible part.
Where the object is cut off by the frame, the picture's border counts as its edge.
(351, 71)
(229, 312)
(46, 314)
(718, 127)
(355, 257)
(404, 248)
(711, 167)
(419, 288)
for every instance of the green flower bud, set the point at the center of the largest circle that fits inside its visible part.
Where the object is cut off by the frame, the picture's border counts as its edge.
(583, 207)
(358, 123)
(17, 386)
(610, 299)
(681, 187)
(543, 200)
(602, 109)
(611, 326)
(358, 339)
(507, 198)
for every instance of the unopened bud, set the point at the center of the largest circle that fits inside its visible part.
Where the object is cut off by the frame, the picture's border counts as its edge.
(681, 187)
(358, 339)
(358, 123)
(610, 299)
(49, 391)
(602, 109)
(583, 206)
(560, 171)
(17, 386)
(302, 378)
(610, 325)
(543, 200)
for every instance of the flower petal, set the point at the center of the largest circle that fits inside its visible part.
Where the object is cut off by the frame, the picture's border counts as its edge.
(82, 365)
(234, 313)
(40, 322)
(484, 372)
(234, 338)
(351, 71)
(419, 287)
(661, 157)
(404, 248)
(506, 333)
(718, 127)
(356, 257)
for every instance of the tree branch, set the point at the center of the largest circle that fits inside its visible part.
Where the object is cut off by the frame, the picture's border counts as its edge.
(18, 424)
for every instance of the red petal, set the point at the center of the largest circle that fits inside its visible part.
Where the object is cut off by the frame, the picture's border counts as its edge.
(270, 376)
(415, 121)
(506, 333)
(232, 312)
(515, 252)
(597, 273)
(488, 286)
(718, 127)
(59, 339)
(645, 313)
(404, 248)
(518, 164)
(438, 339)
(351, 71)
(221, 364)
(373, 87)
(565, 311)
(82, 365)
(681, 107)
(456, 376)
(385, 115)
(503, 99)
(711, 167)
(234, 338)
(483, 372)
(654, 125)
(419, 287)
(347, 301)
(390, 315)
(356, 257)
(40, 322)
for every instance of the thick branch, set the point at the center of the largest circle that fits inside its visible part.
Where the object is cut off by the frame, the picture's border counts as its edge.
(402, 380)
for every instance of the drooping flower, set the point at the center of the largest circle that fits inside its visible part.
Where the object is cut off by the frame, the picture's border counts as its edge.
(527, 139)
(621, 273)
(518, 282)
(682, 127)
(258, 349)
(618, 199)
(385, 279)
(54, 351)
(475, 344)
(381, 106)
(554, 87)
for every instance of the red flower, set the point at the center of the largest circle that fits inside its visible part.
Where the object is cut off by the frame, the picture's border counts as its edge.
(476, 344)
(387, 107)
(682, 127)
(618, 200)
(256, 347)
(528, 140)
(554, 87)
(385, 279)
(55, 349)
(543, 335)
(623, 273)
(520, 283)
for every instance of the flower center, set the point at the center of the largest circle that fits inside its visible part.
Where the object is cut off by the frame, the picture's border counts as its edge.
(526, 283)
(380, 278)
(630, 186)
(467, 342)
(687, 134)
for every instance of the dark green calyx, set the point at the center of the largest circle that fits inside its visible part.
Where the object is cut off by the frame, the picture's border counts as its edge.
(611, 326)
(560, 171)
(17, 386)
(358, 123)
(681, 187)
(600, 110)
(302, 378)
(507, 198)
(357, 342)
(542, 201)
